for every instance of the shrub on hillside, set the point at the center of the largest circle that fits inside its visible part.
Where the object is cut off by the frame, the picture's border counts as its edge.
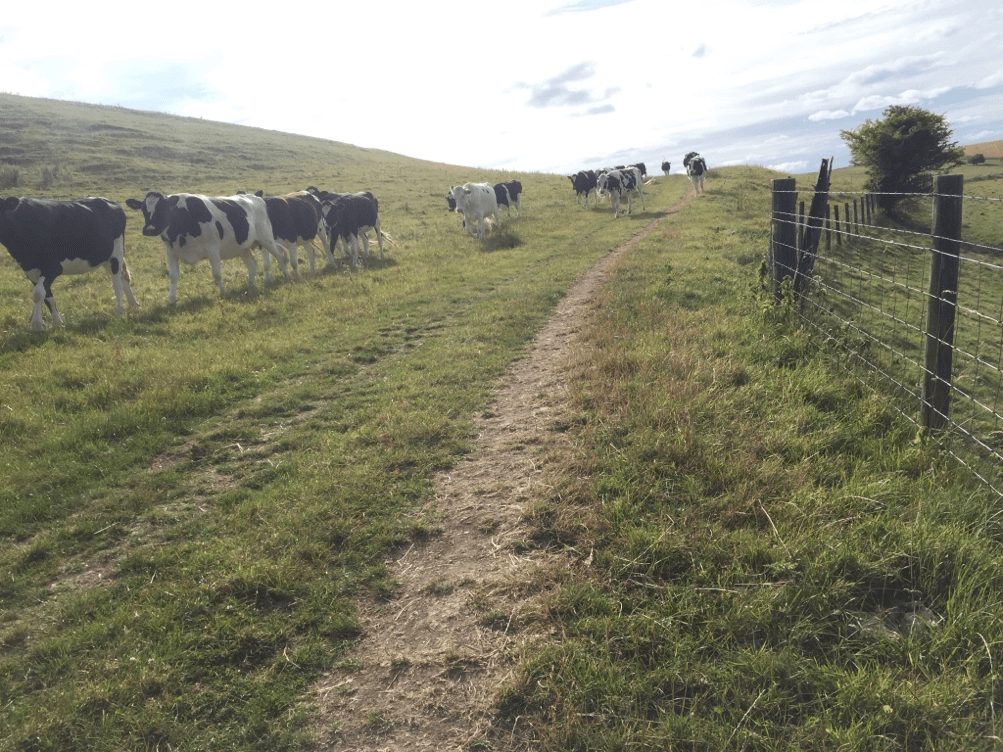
(10, 177)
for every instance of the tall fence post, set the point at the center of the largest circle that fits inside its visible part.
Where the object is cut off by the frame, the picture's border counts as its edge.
(839, 236)
(811, 230)
(828, 227)
(942, 299)
(783, 233)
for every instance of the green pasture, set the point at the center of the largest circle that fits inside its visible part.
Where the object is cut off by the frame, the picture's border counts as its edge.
(192, 498)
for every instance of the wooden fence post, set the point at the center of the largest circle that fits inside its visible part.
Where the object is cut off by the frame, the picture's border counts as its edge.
(856, 221)
(801, 224)
(783, 233)
(942, 299)
(846, 222)
(839, 237)
(812, 230)
(828, 228)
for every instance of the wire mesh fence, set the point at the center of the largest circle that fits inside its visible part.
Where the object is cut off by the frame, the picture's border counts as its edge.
(869, 300)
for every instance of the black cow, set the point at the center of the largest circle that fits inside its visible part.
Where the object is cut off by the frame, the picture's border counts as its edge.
(349, 215)
(195, 227)
(666, 167)
(298, 220)
(584, 182)
(48, 238)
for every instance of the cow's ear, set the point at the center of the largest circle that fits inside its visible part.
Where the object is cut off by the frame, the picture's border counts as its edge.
(10, 204)
(467, 191)
(173, 201)
(259, 193)
(134, 203)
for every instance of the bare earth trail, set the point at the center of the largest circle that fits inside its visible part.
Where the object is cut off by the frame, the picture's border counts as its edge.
(429, 664)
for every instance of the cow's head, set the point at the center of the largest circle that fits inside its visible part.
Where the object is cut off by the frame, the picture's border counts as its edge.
(156, 212)
(450, 202)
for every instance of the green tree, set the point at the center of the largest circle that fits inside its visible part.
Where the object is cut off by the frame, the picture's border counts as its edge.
(901, 151)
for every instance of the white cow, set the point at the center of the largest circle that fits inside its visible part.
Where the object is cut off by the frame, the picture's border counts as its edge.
(475, 201)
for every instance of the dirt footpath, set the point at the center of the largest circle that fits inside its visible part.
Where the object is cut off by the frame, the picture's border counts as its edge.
(429, 664)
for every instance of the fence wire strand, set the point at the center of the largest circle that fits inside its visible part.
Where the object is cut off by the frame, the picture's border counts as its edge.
(868, 299)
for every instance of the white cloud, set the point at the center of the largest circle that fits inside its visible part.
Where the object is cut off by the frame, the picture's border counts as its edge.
(791, 167)
(828, 115)
(993, 79)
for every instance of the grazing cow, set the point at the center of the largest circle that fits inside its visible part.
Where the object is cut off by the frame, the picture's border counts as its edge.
(195, 228)
(48, 238)
(349, 216)
(475, 201)
(696, 168)
(666, 167)
(584, 182)
(619, 183)
(297, 221)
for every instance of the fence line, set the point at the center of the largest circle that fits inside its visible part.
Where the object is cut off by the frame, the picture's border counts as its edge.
(873, 297)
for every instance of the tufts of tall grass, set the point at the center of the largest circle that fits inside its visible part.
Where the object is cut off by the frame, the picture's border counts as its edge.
(768, 559)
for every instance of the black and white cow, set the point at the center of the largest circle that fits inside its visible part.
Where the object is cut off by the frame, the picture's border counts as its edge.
(696, 168)
(514, 198)
(476, 202)
(619, 183)
(297, 221)
(666, 167)
(584, 182)
(48, 238)
(214, 228)
(349, 216)
(644, 170)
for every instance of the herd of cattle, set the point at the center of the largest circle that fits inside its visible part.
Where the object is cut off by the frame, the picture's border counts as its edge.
(49, 237)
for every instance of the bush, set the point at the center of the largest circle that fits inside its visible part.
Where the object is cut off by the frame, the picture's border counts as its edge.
(10, 176)
(49, 176)
(977, 159)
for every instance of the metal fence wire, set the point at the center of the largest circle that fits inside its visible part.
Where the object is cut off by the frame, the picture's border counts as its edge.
(868, 303)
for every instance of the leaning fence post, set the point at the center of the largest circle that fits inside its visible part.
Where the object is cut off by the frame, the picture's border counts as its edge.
(783, 233)
(811, 230)
(801, 224)
(942, 299)
(828, 228)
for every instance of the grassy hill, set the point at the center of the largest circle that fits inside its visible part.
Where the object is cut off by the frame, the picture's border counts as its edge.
(193, 499)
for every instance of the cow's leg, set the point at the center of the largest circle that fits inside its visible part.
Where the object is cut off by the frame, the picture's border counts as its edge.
(120, 279)
(379, 237)
(217, 270)
(252, 270)
(172, 272)
(292, 251)
(280, 255)
(354, 243)
(41, 293)
(518, 206)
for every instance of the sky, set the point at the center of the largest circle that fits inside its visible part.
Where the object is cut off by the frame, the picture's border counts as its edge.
(548, 86)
